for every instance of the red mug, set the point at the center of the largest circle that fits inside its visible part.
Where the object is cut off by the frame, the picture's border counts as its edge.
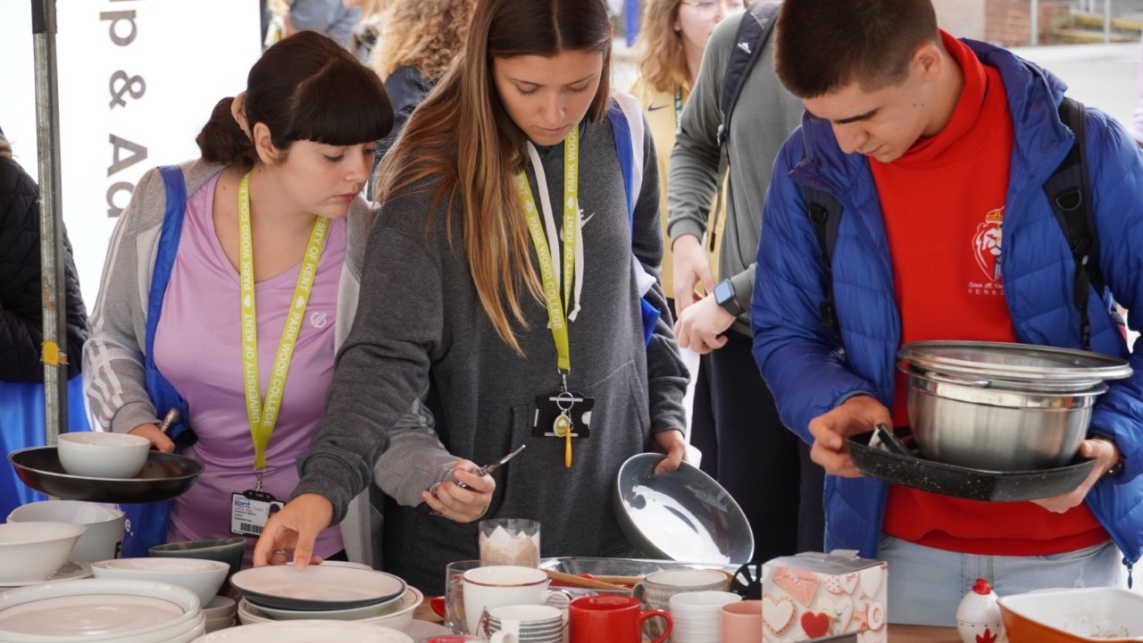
(615, 619)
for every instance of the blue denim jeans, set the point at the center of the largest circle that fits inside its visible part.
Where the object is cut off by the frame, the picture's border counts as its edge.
(926, 584)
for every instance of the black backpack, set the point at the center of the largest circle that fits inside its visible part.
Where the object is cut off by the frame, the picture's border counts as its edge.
(1068, 192)
(748, 42)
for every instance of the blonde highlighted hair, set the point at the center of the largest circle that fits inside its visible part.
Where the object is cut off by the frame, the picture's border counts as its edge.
(462, 138)
(662, 62)
(423, 34)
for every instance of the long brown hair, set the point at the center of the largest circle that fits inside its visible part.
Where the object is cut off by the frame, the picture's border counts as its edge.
(662, 61)
(462, 137)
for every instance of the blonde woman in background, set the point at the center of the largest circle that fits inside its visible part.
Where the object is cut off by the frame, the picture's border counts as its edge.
(419, 40)
(672, 37)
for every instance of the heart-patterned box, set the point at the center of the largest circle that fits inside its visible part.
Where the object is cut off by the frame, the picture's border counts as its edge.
(815, 595)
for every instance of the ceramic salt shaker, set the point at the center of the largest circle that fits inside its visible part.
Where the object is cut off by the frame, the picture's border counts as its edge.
(978, 616)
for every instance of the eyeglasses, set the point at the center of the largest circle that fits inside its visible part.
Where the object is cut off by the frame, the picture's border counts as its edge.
(711, 7)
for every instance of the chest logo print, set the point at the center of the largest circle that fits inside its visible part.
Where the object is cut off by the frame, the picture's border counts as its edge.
(986, 245)
(318, 319)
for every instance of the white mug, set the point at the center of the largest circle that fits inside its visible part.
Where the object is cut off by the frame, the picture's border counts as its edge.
(526, 624)
(486, 588)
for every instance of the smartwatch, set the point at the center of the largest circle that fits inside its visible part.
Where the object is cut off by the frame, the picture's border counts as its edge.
(725, 297)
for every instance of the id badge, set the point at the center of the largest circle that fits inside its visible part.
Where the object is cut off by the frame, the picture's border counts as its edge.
(556, 413)
(250, 510)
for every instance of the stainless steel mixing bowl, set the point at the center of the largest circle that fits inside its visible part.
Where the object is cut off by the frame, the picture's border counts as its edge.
(972, 424)
(1000, 406)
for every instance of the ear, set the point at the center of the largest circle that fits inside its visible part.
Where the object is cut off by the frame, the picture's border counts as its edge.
(264, 144)
(930, 60)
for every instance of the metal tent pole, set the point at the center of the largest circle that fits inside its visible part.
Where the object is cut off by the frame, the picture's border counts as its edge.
(51, 223)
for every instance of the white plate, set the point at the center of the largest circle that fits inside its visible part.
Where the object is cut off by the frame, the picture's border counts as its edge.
(316, 587)
(68, 571)
(307, 632)
(87, 615)
(179, 605)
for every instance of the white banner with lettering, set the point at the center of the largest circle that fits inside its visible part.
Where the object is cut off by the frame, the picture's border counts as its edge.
(137, 81)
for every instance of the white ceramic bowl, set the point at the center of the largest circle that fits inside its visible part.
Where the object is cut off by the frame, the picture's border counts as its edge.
(31, 551)
(203, 577)
(104, 535)
(218, 607)
(98, 454)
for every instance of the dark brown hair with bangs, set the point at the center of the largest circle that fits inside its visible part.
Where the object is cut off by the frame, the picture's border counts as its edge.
(824, 45)
(304, 88)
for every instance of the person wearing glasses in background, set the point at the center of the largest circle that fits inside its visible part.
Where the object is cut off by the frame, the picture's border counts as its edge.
(735, 422)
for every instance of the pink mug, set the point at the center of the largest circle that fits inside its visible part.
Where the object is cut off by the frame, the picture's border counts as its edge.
(615, 619)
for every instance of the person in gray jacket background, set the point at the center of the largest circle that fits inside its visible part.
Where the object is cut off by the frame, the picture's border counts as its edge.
(735, 423)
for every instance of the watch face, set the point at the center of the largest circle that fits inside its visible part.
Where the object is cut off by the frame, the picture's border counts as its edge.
(724, 293)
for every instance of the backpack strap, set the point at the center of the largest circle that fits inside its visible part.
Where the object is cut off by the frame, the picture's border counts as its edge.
(824, 211)
(163, 395)
(752, 33)
(1069, 194)
(626, 117)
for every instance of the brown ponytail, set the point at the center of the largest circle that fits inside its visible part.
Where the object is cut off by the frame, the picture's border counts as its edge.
(223, 141)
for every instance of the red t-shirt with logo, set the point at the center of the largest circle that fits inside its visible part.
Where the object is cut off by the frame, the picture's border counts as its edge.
(943, 205)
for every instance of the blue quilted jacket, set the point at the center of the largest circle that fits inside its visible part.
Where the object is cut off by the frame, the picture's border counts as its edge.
(800, 360)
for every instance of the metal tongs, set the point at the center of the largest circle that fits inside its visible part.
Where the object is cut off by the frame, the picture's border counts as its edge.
(884, 438)
(489, 468)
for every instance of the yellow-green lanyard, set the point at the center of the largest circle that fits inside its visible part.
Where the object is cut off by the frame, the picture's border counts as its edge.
(263, 418)
(557, 309)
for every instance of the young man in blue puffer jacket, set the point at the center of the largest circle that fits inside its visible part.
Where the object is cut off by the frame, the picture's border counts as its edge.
(937, 151)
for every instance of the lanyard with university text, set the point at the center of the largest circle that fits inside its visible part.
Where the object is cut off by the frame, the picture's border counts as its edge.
(550, 274)
(264, 417)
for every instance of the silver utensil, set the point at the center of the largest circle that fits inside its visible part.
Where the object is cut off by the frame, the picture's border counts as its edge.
(489, 468)
(171, 417)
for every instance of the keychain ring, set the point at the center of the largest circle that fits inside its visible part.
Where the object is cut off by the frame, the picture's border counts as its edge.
(565, 400)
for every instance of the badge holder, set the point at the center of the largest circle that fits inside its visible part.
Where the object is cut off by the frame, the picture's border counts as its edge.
(250, 510)
(563, 415)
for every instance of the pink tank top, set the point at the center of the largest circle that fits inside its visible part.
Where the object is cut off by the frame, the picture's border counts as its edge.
(198, 349)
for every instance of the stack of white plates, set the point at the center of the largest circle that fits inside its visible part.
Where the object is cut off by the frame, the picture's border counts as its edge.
(123, 611)
(324, 592)
(308, 632)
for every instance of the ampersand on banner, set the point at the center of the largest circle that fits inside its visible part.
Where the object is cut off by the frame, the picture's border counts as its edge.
(121, 84)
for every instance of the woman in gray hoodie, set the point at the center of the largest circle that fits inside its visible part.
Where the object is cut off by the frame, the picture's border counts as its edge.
(471, 293)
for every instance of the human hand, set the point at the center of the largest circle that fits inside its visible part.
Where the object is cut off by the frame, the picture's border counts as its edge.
(858, 414)
(156, 437)
(461, 504)
(692, 266)
(673, 443)
(294, 528)
(701, 327)
(1106, 456)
